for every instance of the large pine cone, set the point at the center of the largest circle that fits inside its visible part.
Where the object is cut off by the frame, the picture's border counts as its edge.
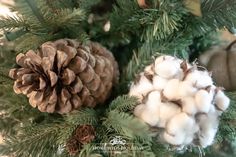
(64, 75)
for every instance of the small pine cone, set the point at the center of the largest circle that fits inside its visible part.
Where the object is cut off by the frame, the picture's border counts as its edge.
(64, 75)
(73, 146)
(85, 134)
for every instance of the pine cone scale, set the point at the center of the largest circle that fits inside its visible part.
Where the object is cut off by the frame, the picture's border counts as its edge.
(77, 65)
(68, 76)
(87, 75)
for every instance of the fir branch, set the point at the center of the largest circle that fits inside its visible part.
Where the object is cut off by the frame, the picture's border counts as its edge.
(123, 103)
(219, 13)
(12, 22)
(84, 116)
(35, 10)
(69, 17)
(73, 120)
(227, 128)
(123, 124)
(86, 5)
(4, 78)
(35, 141)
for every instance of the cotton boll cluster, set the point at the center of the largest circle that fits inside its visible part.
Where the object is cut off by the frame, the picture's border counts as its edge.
(181, 100)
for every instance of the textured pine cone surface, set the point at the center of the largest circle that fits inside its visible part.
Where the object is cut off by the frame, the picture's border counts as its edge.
(64, 75)
(180, 100)
(85, 134)
(73, 146)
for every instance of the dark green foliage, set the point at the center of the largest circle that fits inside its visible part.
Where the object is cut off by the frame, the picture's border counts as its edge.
(136, 36)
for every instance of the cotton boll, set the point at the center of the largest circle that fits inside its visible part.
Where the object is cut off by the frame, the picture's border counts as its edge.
(200, 79)
(147, 115)
(221, 100)
(208, 138)
(167, 111)
(180, 75)
(162, 58)
(159, 83)
(141, 88)
(139, 109)
(167, 69)
(171, 89)
(153, 100)
(180, 123)
(180, 130)
(208, 127)
(203, 101)
(186, 89)
(188, 139)
(176, 139)
(189, 106)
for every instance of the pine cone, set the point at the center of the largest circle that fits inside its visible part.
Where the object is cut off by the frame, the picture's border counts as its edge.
(85, 134)
(73, 147)
(64, 75)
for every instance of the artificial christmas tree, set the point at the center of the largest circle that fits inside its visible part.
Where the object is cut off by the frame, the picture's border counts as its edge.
(135, 32)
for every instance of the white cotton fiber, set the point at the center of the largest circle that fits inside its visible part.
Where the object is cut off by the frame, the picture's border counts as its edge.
(159, 83)
(208, 125)
(186, 89)
(200, 79)
(180, 123)
(141, 88)
(153, 100)
(167, 69)
(176, 139)
(189, 106)
(147, 115)
(171, 89)
(203, 101)
(167, 111)
(221, 100)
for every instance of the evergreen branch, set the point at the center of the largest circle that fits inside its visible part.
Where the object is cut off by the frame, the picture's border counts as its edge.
(227, 128)
(84, 116)
(73, 120)
(12, 22)
(219, 13)
(69, 18)
(35, 141)
(123, 103)
(123, 124)
(36, 12)
(86, 5)
(4, 78)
